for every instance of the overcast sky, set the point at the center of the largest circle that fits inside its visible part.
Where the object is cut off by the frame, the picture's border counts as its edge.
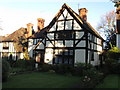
(15, 14)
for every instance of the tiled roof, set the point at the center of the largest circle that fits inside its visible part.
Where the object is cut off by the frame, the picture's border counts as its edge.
(14, 37)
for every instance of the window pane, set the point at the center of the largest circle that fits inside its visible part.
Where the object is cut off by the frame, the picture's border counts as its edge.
(59, 43)
(60, 25)
(69, 43)
(70, 61)
(71, 52)
(60, 51)
(68, 25)
(66, 60)
(65, 52)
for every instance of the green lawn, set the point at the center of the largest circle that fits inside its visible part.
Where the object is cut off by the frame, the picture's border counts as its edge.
(41, 80)
(111, 81)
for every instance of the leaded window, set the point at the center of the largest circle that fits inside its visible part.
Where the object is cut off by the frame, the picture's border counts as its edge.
(64, 35)
(63, 56)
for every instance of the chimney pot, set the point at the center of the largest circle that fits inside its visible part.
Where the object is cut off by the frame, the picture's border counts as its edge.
(40, 23)
(29, 29)
(83, 13)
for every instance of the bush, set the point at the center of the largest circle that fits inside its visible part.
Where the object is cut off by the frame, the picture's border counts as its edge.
(111, 66)
(113, 53)
(111, 61)
(19, 63)
(91, 78)
(5, 70)
(62, 68)
(25, 65)
(10, 61)
(80, 69)
(30, 65)
(44, 67)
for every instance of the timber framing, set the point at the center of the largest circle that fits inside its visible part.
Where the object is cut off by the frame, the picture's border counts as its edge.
(68, 37)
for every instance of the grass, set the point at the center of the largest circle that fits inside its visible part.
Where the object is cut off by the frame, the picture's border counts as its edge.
(111, 81)
(41, 80)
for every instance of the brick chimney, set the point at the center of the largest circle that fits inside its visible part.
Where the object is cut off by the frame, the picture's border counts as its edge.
(29, 29)
(83, 13)
(40, 24)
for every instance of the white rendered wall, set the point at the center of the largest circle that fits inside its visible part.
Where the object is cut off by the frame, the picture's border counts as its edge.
(96, 59)
(79, 56)
(30, 47)
(48, 56)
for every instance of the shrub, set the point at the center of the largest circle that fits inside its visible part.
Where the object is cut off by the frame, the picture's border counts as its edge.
(62, 68)
(111, 61)
(91, 78)
(45, 67)
(111, 66)
(25, 65)
(5, 70)
(10, 61)
(80, 69)
(113, 53)
(30, 64)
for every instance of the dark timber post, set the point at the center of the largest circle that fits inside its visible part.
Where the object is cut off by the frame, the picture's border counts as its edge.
(86, 52)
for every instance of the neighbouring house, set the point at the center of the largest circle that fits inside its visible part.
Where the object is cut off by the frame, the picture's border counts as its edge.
(68, 39)
(35, 49)
(118, 26)
(9, 45)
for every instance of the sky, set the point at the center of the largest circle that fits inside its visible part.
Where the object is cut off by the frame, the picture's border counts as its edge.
(15, 14)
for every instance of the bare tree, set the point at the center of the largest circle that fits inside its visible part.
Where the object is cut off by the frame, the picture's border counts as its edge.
(107, 24)
(106, 27)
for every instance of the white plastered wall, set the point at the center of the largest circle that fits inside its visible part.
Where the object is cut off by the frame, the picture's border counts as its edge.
(79, 56)
(30, 47)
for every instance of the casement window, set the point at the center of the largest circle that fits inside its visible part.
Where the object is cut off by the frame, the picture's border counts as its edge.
(64, 35)
(63, 57)
(5, 45)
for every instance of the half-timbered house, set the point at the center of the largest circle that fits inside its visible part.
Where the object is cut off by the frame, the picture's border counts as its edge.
(69, 39)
